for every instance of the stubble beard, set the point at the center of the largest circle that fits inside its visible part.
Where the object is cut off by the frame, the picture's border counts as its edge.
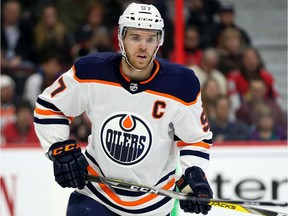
(138, 63)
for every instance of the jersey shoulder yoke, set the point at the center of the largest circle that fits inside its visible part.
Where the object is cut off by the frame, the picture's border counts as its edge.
(97, 66)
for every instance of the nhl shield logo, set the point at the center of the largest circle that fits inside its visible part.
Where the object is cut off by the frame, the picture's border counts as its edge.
(133, 87)
(126, 139)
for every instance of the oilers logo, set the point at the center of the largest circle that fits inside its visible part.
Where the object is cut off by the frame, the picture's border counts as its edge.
(126, 139)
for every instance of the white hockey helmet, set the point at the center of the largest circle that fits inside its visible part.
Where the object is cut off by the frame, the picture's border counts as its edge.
(143, 16)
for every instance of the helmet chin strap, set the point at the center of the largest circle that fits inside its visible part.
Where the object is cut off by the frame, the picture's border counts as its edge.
(127, 60)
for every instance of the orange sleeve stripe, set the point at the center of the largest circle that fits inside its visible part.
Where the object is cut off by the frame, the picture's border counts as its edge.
(198, 144)
(49, 113)
(140, 201)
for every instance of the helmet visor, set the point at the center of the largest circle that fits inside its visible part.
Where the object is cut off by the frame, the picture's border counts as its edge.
(146, 36)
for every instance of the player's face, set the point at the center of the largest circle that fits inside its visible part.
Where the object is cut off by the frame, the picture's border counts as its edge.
(140, 46)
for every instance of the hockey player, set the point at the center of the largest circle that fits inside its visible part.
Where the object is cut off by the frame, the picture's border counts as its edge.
(144, 111)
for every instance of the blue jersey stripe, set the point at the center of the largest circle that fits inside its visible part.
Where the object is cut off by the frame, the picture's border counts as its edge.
(165, 177)
(117, 191)
(94, 162)
(126, 192)
(136, 193)
(47, 104)
(131, 211)
(209, 141)
(51, 121)
(195, 153)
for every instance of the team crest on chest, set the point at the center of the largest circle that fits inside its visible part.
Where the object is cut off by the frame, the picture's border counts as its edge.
(126, 139)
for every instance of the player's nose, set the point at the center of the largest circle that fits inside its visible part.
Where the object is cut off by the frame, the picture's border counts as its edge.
(143, 44)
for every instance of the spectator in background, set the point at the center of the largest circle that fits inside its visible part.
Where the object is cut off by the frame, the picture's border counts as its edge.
(72, 12)
(230, 49)
(7, 100)
(254, 99)
(92, 35)
(207, 69)
(113, 9)
(201, 14)
(92, 22)
(251, 68)
(210, 91)
(47, 73)
(222, 127)
(192, 51)
(265, 128)
(51, 35)
(16, 39)
(22, 130)
(226, 14)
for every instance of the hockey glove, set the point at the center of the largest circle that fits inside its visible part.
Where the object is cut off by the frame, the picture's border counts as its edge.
(194, 183)
(69, 164)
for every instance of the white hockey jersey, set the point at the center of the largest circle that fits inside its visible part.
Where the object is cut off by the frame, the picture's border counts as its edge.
(138, 128)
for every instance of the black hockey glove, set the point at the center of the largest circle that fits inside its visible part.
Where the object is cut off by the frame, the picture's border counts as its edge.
(70, 165)
(194, 183)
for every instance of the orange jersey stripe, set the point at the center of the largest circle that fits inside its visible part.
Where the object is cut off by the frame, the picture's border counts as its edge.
(140, 201)
(199, 144)
(173, 97)
(148, 91)
(154, 74)
(92, 80)
(49, 113)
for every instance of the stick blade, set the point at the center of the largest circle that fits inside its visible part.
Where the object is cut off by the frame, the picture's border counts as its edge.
(265, 212)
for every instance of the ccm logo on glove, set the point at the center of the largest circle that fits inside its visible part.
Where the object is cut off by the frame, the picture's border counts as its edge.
(66, 148)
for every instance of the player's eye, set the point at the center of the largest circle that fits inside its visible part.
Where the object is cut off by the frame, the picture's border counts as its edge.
(151, 40)
(135, 38)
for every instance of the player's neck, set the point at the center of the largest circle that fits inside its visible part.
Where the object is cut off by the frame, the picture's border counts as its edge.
(136, 75)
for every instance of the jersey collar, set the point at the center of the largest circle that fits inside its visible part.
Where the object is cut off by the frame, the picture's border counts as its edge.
(133, 86)
(155, 70)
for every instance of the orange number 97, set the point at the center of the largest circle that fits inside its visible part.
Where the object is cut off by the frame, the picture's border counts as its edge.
(204, 121)
(61, 87)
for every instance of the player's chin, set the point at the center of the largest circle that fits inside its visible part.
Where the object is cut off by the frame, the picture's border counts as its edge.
(143, 62)
(140, 64)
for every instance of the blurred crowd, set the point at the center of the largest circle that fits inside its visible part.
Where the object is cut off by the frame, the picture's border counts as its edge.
(40, 39)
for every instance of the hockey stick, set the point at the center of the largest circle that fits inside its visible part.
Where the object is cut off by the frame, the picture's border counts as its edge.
(237, 205)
